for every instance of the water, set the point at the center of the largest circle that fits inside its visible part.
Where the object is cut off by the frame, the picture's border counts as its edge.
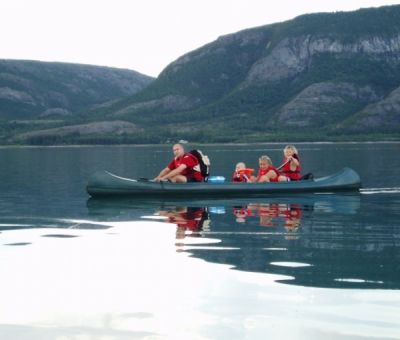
(289, 267)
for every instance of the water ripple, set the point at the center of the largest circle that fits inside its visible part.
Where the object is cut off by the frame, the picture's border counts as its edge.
(372, 191)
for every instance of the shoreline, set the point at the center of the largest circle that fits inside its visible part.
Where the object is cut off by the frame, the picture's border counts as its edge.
(5, 146)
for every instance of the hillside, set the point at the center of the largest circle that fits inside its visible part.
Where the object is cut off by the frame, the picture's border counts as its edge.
(326, 76)
(36, 93)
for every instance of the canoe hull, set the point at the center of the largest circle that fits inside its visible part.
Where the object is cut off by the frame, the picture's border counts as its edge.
(104, 183)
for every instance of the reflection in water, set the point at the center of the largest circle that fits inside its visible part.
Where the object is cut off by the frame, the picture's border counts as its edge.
(46, 223)
(193, 219)
(60, 236)
(334, 237)
(18, 244)
(270, 214)
(16, 234)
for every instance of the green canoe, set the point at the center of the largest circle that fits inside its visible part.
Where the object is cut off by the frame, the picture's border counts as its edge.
(104, 183)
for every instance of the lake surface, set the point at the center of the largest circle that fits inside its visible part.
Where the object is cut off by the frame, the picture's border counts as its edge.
(280, 267)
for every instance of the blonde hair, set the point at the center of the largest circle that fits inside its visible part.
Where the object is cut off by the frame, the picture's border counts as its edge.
(291, 147)
(240, 165)
(265, 159)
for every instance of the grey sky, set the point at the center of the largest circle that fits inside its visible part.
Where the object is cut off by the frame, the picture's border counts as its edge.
(140, 35)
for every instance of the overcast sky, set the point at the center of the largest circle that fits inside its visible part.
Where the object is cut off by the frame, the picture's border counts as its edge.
(141, 35)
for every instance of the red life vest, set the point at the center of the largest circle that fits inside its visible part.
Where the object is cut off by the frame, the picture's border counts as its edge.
(264, 172)
(192, 166)
(294, 175)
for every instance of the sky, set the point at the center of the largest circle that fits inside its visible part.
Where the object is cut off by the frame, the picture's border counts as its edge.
(141, 35)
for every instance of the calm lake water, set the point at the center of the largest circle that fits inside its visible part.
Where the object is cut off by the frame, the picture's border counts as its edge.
(281, 267)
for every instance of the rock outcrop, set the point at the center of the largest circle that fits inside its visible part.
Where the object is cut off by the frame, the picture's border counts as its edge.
(294, 55)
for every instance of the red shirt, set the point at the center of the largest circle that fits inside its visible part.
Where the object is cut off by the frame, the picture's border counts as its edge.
(191, 162)
(192, 219)
(294, 175)
(262, 172)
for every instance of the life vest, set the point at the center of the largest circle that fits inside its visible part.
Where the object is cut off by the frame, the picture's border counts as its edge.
(192, 167)
(294, 175)
(264, 172)
(242, 175)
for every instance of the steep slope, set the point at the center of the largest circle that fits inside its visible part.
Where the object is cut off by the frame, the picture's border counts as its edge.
(313, 72)
(385, 114)
(32, 89)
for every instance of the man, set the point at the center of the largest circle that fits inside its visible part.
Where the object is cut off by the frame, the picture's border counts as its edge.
(183, 168)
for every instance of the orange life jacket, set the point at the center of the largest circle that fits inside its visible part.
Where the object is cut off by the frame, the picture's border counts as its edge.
(242, 175)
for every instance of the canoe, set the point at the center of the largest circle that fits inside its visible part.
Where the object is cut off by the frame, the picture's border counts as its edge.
(104, 183)
(128, 208)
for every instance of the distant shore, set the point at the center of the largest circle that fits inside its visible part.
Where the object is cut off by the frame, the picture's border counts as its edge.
(190, 145)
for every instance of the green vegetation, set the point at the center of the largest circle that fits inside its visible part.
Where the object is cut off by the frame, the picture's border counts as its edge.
(214, 94)
(29, 88)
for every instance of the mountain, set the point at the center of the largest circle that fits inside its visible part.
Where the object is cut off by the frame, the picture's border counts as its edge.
(32, 89)
(325, 76)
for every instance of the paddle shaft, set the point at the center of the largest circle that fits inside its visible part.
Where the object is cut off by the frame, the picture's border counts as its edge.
(288, 161)
(282, 165)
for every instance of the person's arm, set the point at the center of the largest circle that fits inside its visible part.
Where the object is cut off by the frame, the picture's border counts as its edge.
(162, 173)
(271, 175)
(294, 163)
(255, 178)
(174, 172)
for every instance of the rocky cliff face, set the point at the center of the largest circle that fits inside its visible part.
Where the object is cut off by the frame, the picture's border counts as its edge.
(292, 56)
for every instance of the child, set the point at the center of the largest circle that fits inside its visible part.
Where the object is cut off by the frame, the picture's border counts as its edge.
(266, 172)
(290, 169)
(241, 173)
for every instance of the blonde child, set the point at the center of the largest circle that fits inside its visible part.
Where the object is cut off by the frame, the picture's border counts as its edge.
(266, 171)
(241, 173)
(290, 168)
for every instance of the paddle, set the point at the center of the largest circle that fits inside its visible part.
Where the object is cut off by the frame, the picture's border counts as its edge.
(282, 165)
(144, 179)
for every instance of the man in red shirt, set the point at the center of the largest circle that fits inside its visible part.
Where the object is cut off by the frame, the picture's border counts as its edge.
(183, 168)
